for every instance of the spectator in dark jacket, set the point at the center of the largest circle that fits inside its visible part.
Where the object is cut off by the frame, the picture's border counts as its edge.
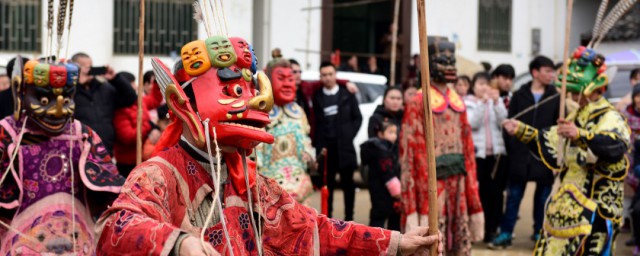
(380, 155)
(389, 111)
(523, 166)
(6, 97)
(338, 120)
(96, 100)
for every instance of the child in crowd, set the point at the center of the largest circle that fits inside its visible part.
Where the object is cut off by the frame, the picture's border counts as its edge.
(633, 119)
(380, 156)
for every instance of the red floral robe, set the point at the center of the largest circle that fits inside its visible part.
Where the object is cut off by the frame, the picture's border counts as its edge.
(160, 195)
(460, 211)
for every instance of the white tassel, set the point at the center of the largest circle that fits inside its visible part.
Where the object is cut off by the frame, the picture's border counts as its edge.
(73, 185)
(217, 182)
(258, 237)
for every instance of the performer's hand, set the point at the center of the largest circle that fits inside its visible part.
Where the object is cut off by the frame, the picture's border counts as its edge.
(510, 126)
(567, 129)
(352, 88)
(417, 240)
(192, 246)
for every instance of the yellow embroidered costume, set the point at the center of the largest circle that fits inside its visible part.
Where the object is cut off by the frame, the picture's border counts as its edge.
(584, 216)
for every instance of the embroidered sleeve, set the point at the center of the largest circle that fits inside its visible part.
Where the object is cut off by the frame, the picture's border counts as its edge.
(98, 171)
(542, 143)
(141, 219)
(348, 238)
(609, 140)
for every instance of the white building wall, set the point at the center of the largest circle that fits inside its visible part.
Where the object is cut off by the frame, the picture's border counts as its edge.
(296, 31)
(458, 20)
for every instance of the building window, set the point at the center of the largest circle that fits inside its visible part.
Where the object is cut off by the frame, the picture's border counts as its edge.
(494, 25)
(19, 30)
(169, 25)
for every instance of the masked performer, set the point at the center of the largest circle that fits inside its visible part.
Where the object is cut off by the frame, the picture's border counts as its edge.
(51, 165)
(287, 159)
(461, 217)
(584, 215)
(184, 201)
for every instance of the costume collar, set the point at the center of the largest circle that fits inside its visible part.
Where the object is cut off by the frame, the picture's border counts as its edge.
(196, 153)
(440, 101)
(592, 110)
(332, 91)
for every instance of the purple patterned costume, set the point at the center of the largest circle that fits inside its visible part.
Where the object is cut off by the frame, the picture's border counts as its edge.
(36, 196)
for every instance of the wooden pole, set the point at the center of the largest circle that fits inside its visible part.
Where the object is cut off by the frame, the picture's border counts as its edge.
(563, 91)
(140, 84)
(394, 42)
(426, 100)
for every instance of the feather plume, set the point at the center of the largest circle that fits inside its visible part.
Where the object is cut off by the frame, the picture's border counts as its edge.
(599, 16)
(197, 12)
(70, 13)
(198, 15)
(50, 15)
(62, 16)
(620, 9)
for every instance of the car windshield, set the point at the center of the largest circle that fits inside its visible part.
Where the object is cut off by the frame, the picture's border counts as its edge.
(368, 93)
(619, 85)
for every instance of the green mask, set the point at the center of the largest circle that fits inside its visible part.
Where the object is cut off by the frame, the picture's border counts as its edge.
(585, 72)
(41, 74)
(221, 51)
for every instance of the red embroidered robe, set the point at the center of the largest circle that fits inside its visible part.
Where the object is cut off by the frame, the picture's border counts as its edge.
(460, 211)
(161, 194)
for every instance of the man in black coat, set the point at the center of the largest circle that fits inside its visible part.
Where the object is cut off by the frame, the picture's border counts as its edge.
(338, 120)
(96, 100)
(523, 166)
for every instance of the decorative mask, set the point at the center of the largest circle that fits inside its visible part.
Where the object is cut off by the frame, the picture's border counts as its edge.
(195, 58)
(232, 104)
(443, 62)
(72, 74)
(41, 74)
(241, 47)
(49, 102)
(28, 71)
(221, 52)
(585, 72)
(58, 76)
(284, 85)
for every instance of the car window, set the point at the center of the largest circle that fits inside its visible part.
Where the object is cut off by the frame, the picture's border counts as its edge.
(619, 85)
(368, 93)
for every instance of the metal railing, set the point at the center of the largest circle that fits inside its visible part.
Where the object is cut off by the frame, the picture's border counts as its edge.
(19, 29)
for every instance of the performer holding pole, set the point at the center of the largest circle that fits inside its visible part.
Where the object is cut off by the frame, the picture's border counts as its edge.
(437, 154)
(585, 214)
(563, 90)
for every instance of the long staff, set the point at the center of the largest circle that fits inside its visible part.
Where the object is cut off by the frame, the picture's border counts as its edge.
(563, 91)
(394, 42)
(140, 84)
(426, 99)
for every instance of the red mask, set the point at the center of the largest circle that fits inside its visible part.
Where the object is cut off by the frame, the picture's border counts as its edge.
(57, 76)
(284, 86)
(227, 100)
(242, 51)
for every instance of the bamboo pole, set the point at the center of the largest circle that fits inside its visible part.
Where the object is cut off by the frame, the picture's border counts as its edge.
(394, 42)
(563, 91)
(140, 84)
(426, 99)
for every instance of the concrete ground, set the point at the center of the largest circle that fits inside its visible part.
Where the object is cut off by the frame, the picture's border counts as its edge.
(522, 245)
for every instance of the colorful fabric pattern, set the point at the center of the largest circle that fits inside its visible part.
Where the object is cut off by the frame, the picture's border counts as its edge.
(461, 215)
(159, 197)
(584, 216)
(282, 160)
(38, 189)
